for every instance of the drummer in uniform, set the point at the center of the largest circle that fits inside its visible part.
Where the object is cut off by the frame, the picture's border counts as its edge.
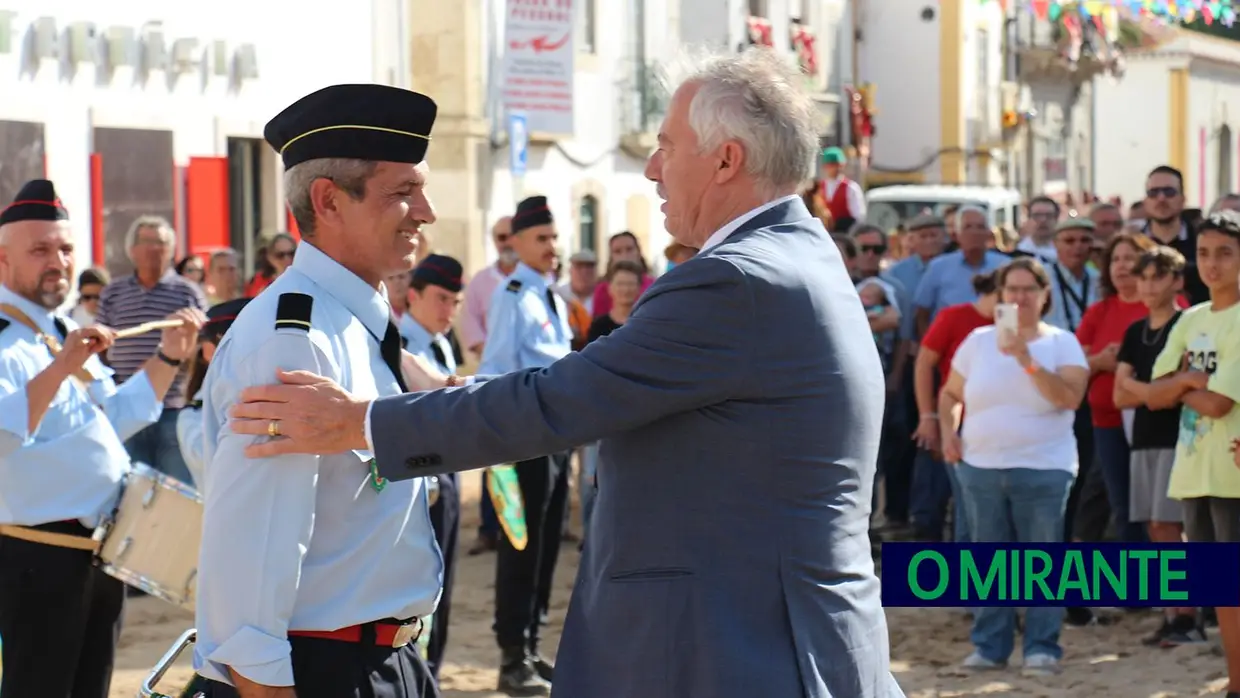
(433, 297)
(62, 461)
(313, 571)
(527, 327)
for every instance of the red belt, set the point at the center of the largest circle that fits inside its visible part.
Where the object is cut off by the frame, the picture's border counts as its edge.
(384, 634)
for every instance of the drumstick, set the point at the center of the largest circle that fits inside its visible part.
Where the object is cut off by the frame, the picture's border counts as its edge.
(148, 327)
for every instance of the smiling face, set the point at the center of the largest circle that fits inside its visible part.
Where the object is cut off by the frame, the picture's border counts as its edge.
(381, 228)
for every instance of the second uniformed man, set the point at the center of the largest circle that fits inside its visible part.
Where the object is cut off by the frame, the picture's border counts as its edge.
(527, 327)
(433, 297)
(313, 571)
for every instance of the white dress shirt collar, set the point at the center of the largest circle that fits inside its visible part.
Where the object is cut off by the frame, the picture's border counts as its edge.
(735, 224)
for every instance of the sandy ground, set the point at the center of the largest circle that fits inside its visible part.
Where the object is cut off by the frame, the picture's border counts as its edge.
(926, 646)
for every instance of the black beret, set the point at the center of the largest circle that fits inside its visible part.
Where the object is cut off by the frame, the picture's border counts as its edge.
(37, 201)
(220, 317)
(363, 122)
(440, 270)
(531, 212)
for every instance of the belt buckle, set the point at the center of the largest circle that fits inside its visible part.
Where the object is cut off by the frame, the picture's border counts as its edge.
(407, 633)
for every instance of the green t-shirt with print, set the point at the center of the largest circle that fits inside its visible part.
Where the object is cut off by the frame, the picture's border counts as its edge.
(1204, 465)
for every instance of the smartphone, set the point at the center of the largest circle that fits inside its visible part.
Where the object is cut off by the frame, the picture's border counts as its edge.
(1005, 317)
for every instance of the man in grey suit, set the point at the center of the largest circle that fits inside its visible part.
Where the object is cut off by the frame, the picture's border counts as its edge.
(739, 410)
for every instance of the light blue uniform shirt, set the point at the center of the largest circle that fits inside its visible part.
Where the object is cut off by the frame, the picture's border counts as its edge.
(948, 280)
(303, 542)
(189, 438)
(909, 272)
(522, 330)
(419, 342)
(1069, 293)
(73, 464)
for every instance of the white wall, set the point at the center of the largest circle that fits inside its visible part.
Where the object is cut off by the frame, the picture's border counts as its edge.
(1214, 102)
(899, 53)
(300, 48)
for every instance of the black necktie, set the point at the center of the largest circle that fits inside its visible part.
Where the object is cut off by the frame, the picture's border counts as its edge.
(439, 355)
(551, 302)
(389, 348)
(61, 328)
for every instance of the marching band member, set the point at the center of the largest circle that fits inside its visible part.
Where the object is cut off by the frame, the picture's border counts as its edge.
(313, 571)
(434, 295)
(189, 420)
(62, 462)
(527, 327)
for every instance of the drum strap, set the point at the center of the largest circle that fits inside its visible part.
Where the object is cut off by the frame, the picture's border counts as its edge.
(53, 344)
(59, 540)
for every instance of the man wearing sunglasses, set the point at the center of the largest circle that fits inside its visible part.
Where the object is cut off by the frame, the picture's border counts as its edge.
(1170, 224)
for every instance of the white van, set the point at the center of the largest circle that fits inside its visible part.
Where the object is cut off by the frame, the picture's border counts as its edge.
(887, 207)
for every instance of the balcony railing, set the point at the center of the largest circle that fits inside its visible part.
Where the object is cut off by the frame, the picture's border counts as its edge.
(1073, 48)
(643, 98)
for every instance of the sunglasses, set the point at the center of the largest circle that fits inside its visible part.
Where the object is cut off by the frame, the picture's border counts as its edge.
(89, 296)
(1077, 241)
(283, 255)
(1164, 192)
(874, 249)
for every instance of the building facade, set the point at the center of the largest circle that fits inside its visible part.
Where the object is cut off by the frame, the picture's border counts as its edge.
(147, 107)
(1176, 106)
(937, 68)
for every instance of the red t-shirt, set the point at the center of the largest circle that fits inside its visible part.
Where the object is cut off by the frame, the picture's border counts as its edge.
(950, 328)
(1105, 323)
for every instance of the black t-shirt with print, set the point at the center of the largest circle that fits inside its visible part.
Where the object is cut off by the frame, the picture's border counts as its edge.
(1140, 349)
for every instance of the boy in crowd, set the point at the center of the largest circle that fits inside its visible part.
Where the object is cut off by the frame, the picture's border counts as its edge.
(1160, 274)
(1200, 369)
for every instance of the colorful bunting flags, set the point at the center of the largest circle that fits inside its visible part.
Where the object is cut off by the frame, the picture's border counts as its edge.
(1104, 12)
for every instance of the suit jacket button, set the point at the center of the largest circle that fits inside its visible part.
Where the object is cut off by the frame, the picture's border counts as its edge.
(411, 462)
(434, 459)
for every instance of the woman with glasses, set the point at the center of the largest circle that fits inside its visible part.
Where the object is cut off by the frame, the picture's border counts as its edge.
(278, 256)
(1022, 380)
(90, 287)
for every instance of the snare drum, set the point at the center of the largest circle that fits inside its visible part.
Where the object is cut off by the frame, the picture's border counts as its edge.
(151, 542)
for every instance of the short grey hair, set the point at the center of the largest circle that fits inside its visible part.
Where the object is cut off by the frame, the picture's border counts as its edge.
(1226, 201)
(754, 97)
(348, 174)
(965, 210)
(156, 223)
(221, 254)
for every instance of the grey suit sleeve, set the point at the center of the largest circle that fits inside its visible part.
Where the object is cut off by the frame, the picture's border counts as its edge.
(688, 344)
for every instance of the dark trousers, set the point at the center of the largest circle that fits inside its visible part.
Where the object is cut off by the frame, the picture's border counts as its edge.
(60, 618)
(490, 520)
(1082, 511)
(523, 578)
(334, 669)
(446, 518)
(157, 446)
(899, 451)
(1111, 457)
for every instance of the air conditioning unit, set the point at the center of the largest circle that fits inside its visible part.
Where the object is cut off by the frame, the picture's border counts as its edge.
(219, 58)
(121, 47)
(46, 42)
(185, 56)
(83, 42)
(247, 61)
(154, 52)
(6, 31)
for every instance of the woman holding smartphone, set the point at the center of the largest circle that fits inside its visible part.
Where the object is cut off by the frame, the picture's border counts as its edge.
(1022, 380)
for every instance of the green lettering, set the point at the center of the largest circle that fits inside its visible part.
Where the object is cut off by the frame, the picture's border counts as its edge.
(916, 587)
(970, 577)
(1014, 566)
(1037, 576)
(1143, 558)
(1073, 576)
(1166, 575)
(1102, 568)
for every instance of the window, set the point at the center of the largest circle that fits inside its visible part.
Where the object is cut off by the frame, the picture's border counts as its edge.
(586, 27)
(588, 222)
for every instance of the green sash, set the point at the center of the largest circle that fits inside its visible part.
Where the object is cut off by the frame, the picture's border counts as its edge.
(509, 506)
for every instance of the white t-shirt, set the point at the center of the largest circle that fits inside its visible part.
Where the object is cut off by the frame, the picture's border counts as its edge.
(1008, 424)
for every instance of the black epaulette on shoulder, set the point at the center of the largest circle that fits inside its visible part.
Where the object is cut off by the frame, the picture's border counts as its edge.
(3, 324)
(513, 286)
(293, 311)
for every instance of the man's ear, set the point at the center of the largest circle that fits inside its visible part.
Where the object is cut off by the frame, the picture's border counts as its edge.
(731, 161)
(325, 198)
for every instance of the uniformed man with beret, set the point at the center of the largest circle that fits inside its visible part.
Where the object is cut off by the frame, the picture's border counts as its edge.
(527, 327)
(314, 571)
(62, 459)
(433, 297)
